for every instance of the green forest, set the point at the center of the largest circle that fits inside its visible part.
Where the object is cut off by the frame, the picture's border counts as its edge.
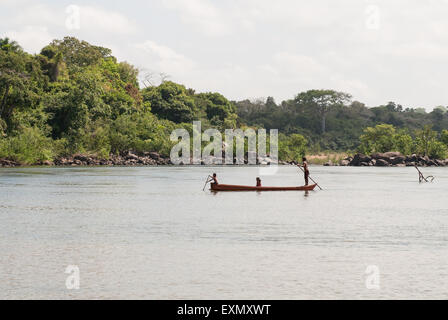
(76, 98)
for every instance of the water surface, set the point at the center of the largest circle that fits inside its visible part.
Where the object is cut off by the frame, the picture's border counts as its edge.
(152, 233)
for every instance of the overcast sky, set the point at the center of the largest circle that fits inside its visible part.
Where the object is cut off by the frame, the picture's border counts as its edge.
(378, 51)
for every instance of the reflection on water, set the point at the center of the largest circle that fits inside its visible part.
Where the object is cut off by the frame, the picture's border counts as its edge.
(153, 233)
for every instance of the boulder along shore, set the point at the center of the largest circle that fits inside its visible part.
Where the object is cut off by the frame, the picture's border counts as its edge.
(389, 159)
(129, 159)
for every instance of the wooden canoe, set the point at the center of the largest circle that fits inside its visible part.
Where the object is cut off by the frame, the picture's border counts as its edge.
(230, 187)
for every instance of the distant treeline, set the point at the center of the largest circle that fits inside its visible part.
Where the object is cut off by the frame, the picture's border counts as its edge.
(76, 98)
(331, 121)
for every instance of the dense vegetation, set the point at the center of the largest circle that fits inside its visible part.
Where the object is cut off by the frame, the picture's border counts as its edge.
(330, 121)
(385, 137)
(74, 97)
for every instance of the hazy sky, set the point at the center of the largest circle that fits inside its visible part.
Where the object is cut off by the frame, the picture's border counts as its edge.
(378, 51)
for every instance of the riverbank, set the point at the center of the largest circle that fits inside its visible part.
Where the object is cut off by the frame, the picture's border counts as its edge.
(389, 159)
(129, 159)
(326, 157)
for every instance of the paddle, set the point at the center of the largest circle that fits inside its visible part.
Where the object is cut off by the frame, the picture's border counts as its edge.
(206, 181)
(310, 178)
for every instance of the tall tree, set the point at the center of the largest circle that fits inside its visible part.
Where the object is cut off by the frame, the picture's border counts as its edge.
(322, 101)
(20, 80)
(170, 101)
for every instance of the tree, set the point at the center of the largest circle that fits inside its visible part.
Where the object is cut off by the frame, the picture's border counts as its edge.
(78, 53)
(425, 137)
(52, 62)
(8, 45)
(322, 100)
(170, 101)
(378, 139)
(444, 137)
(216, 106)
(128, 73)
(403, 142)
(292, 147)
(21, 81)
(437, 150)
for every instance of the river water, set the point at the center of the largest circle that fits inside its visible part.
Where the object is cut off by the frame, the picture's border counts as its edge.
(152, 233)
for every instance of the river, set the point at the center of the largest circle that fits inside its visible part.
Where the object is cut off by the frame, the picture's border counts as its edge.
(152, 233)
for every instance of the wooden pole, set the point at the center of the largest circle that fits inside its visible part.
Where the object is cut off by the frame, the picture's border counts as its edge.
(422, 177)
(206, 181)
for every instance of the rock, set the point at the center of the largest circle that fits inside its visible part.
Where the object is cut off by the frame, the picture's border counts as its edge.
(359, 158)
(329, 163)
(153, 155)
(81, 158)
(389, 157)
(381, 156)
(382, 163)
(8, 163)
(377, 155)
(398, 160)
(48, 163)
(411, 158)
(131, 156)
(392, 154)
(344, 162)
(422, 161)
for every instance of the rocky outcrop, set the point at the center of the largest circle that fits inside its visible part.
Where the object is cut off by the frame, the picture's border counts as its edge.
(360, 160)
(129, 159)
(132, 159)
(144, 159)
(391, 159)
(8, 163)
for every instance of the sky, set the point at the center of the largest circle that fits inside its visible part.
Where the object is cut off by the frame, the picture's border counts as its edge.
(378, 51)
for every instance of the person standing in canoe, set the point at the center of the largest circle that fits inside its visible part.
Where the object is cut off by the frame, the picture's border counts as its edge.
(306, 172)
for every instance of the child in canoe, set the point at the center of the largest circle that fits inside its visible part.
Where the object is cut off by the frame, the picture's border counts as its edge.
(213, 179)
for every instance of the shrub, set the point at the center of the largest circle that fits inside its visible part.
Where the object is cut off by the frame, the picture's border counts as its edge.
(437, 150)
(292, 147)
(28, 147)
